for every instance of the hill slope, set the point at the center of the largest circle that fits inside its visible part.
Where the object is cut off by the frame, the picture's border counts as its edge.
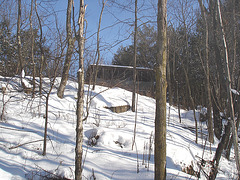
(108, 137)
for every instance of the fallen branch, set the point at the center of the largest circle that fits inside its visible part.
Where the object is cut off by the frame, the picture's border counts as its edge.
(13, 147)
(50, 173)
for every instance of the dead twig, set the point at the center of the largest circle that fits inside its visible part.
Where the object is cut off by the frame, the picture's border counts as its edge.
(50, 173)
(13, 147)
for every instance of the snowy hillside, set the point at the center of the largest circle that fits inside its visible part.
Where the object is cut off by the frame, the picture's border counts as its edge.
(108, 137)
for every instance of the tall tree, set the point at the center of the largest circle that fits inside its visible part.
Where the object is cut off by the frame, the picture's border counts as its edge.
(235, 6)
(232, 122)
(207, 73)
(18, 36)
(134, 60)
(79, 112)
(218, 86)
(70, 43)
(229, 92)
(134, 75)
(161, 88)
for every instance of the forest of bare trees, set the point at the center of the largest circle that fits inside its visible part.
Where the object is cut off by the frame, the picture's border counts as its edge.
(192, 46)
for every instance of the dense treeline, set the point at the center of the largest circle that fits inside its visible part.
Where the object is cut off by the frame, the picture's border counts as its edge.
(9, 64)
(47, 42)
(186, 53)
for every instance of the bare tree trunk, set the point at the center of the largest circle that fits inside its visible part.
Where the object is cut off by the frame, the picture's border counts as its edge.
(216, 117)
(20, 60)
(217, 89)
(228, 149)
(134, 61)
(45, 127)
(192, 103)
(135, 126)
(95, 68)
(209, 103)
(170, 98)
(176, 84)
(32, 49)
(219, 150)
(234, 67)
(41, 50)
(80, 102)
(232, 122)
(179, 106)
(67, 62)
(229, 91)
(46, 110)
(161, 88)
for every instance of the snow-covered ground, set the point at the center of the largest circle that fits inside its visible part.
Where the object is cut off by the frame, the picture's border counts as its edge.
(108, 137)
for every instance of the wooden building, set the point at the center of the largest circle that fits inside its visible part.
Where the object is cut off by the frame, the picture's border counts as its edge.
(122, 76)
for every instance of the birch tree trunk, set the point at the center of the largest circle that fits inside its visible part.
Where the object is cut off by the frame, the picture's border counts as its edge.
(161, 88)
(80, 100)
(70, 43)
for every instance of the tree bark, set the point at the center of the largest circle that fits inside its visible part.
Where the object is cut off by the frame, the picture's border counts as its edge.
(80, 100)
(134, 61)
(70, 43)
(219, 79)
(161, 87)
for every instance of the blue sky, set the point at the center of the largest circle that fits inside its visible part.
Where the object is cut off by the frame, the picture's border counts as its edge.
(108, 36)
(112, 30)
